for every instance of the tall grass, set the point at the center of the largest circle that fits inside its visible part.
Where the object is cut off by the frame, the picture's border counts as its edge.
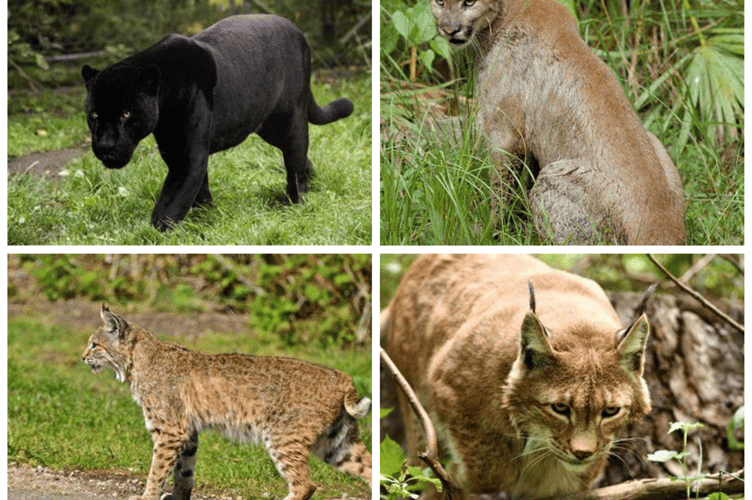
(678, 64)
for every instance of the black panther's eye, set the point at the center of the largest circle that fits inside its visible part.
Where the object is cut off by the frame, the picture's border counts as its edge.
(126, 114)
(94, 115)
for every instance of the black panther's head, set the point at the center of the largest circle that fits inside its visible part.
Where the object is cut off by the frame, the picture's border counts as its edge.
(121, 109)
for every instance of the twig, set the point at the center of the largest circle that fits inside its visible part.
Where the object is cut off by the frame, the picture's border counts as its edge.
(697, 296)
(661, 489)
(431, 455)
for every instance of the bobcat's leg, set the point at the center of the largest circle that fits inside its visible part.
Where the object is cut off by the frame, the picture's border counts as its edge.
(569, 203)
(166, 449)
(340, 447)
(290, 456)
(184, 470)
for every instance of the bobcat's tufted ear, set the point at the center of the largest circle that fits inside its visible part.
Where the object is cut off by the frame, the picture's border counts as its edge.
(113, 323)
(631, 344)
(535, 348)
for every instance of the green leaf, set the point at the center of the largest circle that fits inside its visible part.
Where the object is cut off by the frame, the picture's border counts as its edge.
(684, 426)
(666, 455)
(402, 24)
(392, 457)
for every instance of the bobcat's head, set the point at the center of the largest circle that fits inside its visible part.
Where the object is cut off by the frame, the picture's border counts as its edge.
(459, 20)
(108, 346)
(569, 392)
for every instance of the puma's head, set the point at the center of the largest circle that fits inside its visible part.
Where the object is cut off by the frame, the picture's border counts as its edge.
(121, 109)
(459, 20)
(568, 398)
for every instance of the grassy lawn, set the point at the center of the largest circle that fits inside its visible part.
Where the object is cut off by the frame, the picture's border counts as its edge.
(61, 416)
(94, 206)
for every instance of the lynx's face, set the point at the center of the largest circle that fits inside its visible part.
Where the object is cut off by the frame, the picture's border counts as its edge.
(459, 20)
(571, 402)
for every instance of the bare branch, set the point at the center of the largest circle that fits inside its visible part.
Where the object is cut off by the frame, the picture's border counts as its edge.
(431, 455)
(696, 295)
(661, 489)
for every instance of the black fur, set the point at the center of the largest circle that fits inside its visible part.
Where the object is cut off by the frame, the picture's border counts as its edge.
(199, 95)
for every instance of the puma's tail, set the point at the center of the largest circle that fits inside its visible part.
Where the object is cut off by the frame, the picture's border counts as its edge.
(339, 108)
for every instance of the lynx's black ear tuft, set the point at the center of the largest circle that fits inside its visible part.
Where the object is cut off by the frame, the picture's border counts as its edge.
(532, 295)
(535, 349)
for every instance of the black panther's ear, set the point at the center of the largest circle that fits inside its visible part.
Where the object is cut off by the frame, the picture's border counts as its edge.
(150, 79)
(88, 73)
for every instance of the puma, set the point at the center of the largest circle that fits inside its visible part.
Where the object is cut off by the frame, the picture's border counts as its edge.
(542, 93)
(199, 95)
(526, 371)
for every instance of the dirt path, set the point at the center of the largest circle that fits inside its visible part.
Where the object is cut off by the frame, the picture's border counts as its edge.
(29, 483)
(49, 163)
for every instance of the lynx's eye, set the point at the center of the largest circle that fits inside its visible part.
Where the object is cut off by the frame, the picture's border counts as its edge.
(561, 409)
(610, 411)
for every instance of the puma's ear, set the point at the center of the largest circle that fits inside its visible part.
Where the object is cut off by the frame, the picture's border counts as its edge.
(113, 324)
(150, 78)
(631, 344)
(536, 350)
(88, 73)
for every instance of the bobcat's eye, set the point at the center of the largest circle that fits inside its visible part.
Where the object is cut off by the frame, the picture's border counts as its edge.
(126, 114)
(561, 409)
(93, 346)
(610, 411)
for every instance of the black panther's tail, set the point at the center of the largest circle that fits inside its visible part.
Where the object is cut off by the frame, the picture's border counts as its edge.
(339, 108)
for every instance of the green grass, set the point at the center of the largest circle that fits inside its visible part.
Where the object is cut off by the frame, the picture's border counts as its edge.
(63, 417)
(434, 192)
(94, 206)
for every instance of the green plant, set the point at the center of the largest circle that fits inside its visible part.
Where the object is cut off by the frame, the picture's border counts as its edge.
(735, 424)
(399, 479)
(681, 456)
(415, 26)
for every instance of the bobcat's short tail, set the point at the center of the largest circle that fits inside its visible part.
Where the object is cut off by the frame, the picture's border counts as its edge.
(339, 108)
(357, 408)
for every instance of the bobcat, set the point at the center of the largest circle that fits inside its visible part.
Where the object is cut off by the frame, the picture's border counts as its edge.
(541, 92)
(293, 407)
(525, 399)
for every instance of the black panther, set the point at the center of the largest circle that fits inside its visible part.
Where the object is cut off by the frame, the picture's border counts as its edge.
(204, 94)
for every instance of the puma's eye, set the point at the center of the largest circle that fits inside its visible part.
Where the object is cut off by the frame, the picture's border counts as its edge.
(561, 409)
(610, 411)
(126, 114)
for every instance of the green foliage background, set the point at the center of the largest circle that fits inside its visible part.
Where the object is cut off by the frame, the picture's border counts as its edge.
(321, 299)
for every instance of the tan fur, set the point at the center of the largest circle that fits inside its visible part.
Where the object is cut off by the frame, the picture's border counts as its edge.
(492, 373)
(542, 92)
(291, 406)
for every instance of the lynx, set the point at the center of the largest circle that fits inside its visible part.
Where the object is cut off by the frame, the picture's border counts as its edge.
(291, 406)
(542, 93)
(527, 391)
